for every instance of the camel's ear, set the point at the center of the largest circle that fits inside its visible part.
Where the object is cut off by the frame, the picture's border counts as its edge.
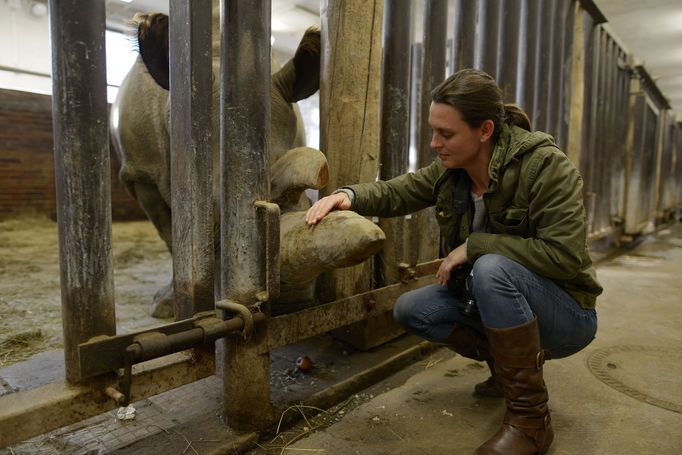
(307, 64)
(152, 42)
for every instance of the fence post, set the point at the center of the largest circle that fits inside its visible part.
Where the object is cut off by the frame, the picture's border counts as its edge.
(245, 132)
(82, 173)
(191, 97)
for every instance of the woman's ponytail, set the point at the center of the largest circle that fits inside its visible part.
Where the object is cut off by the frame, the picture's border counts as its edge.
(514, 115)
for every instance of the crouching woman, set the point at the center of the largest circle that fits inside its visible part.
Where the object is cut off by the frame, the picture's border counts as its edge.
(512, 223)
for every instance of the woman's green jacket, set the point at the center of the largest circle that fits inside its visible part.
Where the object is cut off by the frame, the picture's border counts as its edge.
(534, 202)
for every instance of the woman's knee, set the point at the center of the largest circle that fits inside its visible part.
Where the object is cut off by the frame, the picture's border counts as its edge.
(402, 309)
(490, 268)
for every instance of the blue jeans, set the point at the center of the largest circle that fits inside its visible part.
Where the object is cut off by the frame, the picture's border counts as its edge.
(507, 295)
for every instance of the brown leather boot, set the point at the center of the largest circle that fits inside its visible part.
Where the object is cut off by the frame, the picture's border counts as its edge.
(468, 343)
(527, 428)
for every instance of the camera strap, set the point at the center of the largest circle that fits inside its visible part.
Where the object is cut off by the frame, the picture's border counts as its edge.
(461, 200)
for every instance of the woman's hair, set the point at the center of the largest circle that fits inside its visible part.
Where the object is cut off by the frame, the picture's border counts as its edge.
(477, 97)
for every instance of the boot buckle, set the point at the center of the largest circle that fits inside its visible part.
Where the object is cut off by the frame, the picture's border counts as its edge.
(539, 359)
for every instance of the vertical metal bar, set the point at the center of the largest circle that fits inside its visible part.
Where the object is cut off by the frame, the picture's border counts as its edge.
(433, 69)
(488, 35)
(432, 73)
(602, 143)
(82, 173)
(465, 34)
(525, 90)
(555, 67)
(564, 88)
(395, 101)
(395, 123)
(586, 155)
(508, 55)
(191, 159)
(612, 140)
(245, 131)
(542, 66)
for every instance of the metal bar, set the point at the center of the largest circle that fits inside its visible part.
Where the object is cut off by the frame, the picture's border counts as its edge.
(36, 411)
(102, 355)
(508, 45)
(245, 131)
(432, 74)
(82, 174)
(489, 28)
(555, 67)
(564, 88)
(602, 163)
(395, 89)
(191, 160)
(395, 125)
(525, 90)
(465, 34)
(298, 326)
(542, 52)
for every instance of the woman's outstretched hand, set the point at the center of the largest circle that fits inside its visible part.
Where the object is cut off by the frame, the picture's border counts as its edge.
(457, 257)
(320, 209)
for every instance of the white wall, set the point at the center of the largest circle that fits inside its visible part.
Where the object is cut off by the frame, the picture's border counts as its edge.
(25, 46)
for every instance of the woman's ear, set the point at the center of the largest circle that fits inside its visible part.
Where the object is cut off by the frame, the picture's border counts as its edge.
(487, 130)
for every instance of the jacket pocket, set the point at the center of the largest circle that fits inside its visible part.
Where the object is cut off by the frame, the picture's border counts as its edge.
(511, 221)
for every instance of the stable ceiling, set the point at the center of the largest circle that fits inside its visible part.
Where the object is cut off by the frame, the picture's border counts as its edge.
(650, 29)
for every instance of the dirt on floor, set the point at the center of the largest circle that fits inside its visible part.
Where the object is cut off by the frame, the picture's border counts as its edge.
(30, 294)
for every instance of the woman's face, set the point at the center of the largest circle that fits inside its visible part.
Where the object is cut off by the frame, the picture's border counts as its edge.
(456, 143)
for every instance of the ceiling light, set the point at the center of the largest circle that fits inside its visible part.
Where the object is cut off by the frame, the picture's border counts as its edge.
(38, 9)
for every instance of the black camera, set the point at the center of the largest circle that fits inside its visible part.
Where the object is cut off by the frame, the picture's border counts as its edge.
(460, 285)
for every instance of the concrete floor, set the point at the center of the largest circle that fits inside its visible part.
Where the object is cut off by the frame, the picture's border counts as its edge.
(621, 395)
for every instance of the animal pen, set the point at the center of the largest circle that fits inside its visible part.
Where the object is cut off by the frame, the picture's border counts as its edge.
(554, 58)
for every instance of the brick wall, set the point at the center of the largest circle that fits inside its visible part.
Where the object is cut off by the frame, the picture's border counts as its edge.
(27, 161)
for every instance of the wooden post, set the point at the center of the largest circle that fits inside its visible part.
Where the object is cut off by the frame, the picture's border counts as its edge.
(349, 126)
(245, 129)
(191, 96)
(82, 174)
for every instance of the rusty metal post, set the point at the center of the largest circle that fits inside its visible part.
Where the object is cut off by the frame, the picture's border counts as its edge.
(508, 55)
(525, 90)
(245, 131)
(488, 36)
(82, 174)
(465, 34)
(432, 74)
(191, 159)
(395, 124)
